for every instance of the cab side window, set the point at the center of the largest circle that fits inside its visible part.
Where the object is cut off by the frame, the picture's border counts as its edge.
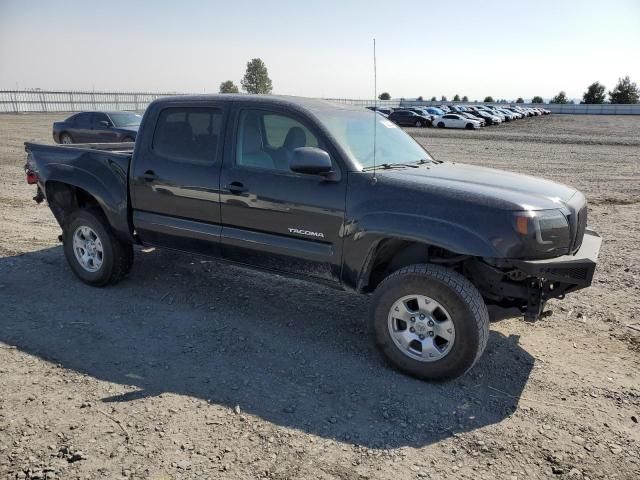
(267, 140)
(82, 119)
(96, 118)
(188, 134)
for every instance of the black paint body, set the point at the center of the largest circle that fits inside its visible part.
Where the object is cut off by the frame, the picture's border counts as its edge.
(254, 216)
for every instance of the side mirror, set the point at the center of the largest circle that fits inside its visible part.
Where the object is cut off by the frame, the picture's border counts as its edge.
(310, 160)
(104, 123)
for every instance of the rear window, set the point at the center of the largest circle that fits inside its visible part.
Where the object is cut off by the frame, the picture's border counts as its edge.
(188, 135)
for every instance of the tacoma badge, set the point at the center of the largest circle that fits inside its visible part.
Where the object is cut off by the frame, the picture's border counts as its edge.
(306, 232)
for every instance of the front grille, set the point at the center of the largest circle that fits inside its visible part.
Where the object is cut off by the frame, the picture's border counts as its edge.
(570, 273)
(581, 225)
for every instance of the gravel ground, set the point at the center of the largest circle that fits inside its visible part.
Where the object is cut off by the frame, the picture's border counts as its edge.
(194, 369)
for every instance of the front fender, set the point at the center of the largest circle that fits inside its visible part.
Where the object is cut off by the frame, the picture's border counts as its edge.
(363, 236)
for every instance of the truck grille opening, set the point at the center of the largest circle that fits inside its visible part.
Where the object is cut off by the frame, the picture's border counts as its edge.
(569, 273)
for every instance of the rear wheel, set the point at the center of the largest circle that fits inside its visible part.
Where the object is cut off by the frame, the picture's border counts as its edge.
(430, 322)
(93, 251)
(128, 139)
(440, 124)
(66, 139)
(418, 123)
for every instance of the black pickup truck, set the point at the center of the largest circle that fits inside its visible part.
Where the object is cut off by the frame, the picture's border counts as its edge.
(296, 186)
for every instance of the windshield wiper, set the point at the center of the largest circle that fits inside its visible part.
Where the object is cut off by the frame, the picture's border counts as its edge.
(428, 160)
(388, 166)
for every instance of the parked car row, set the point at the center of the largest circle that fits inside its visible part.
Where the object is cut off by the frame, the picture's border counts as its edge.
(457, 116)
(103, 127)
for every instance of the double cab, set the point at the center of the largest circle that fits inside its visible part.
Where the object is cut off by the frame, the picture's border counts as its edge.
(330, 193)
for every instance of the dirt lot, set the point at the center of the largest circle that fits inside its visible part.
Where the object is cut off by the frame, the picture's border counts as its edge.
(193, 369)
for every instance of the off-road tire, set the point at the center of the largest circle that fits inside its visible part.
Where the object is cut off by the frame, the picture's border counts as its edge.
(464, 304)
(117, 255)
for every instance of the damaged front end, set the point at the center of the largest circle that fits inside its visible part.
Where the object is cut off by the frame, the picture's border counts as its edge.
(529, 284)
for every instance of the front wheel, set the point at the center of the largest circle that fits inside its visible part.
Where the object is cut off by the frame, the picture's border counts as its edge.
(430, 322)
(66, 139)
(469, 126)
(93, 251)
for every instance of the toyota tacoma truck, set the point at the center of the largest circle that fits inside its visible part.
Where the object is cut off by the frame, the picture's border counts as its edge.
(335, 194)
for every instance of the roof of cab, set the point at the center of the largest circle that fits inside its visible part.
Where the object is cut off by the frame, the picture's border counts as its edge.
(313, 104)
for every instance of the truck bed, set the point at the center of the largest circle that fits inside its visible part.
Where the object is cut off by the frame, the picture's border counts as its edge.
(99, 168)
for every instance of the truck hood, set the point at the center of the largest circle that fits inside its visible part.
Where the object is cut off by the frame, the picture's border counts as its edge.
(501, 189)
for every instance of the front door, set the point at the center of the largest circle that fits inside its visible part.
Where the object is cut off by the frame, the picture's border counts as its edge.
(272, 217)
(102, 129)
(81, 131)
(175, 178)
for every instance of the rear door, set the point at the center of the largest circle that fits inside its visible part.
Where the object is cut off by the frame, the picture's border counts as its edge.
(404, 117)
(272, 217)
(176, 177)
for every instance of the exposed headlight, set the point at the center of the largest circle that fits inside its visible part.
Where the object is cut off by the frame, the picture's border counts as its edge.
(544, 233)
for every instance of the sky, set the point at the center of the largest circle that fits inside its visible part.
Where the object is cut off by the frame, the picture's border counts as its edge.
(502, 48)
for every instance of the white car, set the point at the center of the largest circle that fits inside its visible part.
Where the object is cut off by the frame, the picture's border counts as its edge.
(454, 120)
(508, 114)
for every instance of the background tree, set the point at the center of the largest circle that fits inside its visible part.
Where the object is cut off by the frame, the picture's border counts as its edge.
(384, 96)
(520, 100)
(537, 99)
(443, 99)
(256, 78)
(626, 91)
(560, 98)
(594, 94)
(456, 98)
(228, 87)
(488, 99)
(465, 99)
(433, 99)
(419, 98)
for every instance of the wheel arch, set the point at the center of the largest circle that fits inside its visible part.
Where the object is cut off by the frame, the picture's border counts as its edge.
(373, 241)
(392, 254)
(65, 197)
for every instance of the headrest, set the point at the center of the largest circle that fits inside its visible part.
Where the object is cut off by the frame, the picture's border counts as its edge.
(295, 138)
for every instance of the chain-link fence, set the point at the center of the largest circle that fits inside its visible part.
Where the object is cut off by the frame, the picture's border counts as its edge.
(17, 101)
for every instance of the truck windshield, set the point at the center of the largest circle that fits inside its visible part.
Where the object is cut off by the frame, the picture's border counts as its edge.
(125, 119)
(353, 130)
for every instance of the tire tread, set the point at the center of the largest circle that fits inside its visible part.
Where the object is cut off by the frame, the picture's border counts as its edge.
(122, 251)
(462, 286)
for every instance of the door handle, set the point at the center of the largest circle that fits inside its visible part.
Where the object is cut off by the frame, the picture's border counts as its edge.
(149, 176)
(236, 188)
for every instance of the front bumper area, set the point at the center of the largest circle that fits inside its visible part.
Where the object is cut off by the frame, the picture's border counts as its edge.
(528, 284)
(577, 269)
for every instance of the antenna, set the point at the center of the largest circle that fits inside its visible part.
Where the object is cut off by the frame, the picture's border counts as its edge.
(375, 106)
